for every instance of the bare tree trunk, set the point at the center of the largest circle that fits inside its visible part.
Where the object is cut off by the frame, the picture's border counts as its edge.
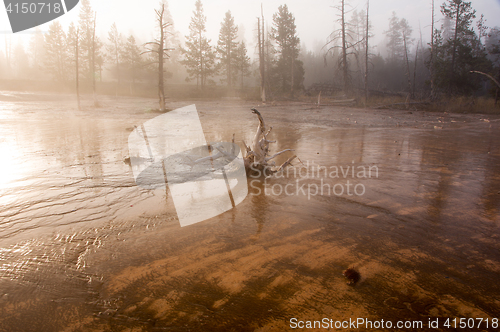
(497, 92)
(8, 49)
(93, 63)
(415, 72)
(493, 79)
(229, 78)
(261, 60)
(161, 91)
(117, 69)
(202, 75)
(76, 67)
(158, 46)
(261, 42)
(267, 61)
(487, 75)
(453, 55)
(344, 51)
(431, 64)
(293, 69)
(366, 52)
(407, 67)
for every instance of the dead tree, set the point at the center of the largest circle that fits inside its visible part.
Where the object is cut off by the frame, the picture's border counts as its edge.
(421, 46)
(366, 51)
(431, 63)
(76, 68)
(487, 75)
(257, 157)
(344, 49)
(415, 73)
(94, 95)
(407, 63)
(158, 47)
(345, 35)
(261, 42)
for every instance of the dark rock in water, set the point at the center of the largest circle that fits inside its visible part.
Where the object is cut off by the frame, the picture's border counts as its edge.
(352, 276)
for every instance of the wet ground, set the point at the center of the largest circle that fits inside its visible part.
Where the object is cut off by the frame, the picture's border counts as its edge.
(82, 248)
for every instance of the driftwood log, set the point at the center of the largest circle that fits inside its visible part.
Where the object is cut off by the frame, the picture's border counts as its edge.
(257, 158)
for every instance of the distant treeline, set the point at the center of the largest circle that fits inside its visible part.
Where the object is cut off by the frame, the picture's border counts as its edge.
(462, 44)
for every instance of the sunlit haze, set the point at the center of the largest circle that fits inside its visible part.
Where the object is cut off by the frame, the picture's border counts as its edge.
(315, 20)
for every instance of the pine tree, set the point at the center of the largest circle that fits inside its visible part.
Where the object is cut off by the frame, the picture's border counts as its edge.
(358, 36)
(226, 48)
(462, 14)
(367, 35)
(289, 69)
(74, 54)
(56, 53)
(114, 48)
(21, 62)
(72, 37)
(482, 32)
(399, 30)
(493, 48)
(432, 54)
(242, 63)
(132, 59)
(86, 27)
(90, 44)
(398, 45)
(37, 52)
(459, 54)
(199, 57)
(406, 32)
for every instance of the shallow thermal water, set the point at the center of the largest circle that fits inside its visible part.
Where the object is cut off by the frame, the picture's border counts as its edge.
(83, 248)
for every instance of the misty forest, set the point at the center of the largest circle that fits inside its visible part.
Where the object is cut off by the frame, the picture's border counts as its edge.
(240, 176)
(461, 59)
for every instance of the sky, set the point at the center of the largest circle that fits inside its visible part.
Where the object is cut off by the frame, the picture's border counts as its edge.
(315, 19)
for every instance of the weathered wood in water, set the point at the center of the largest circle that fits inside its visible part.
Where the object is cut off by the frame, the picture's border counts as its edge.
(257, 156)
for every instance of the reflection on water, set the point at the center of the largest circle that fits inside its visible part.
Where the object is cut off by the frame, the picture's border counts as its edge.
(75, 231)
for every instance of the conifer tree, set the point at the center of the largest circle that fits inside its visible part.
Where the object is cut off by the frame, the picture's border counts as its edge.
(37, 52)
(289, 69)
(242, 63)
(114, 49)
(198, 56)
(461, 53)
(227, 47)
(131, 58)
(395, 38)
(74, 51)
(90, 44)
(462, 14)
(56, 54)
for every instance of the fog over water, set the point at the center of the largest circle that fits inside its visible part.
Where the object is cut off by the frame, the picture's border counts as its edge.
(386, 180)
(83, 248)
